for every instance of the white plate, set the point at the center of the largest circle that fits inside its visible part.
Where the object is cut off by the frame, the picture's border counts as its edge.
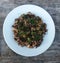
(9, 37)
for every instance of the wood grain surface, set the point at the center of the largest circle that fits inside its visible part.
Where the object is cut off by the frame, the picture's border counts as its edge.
(52, 55)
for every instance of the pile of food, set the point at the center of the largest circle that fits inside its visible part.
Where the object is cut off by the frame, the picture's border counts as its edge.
(29, 30)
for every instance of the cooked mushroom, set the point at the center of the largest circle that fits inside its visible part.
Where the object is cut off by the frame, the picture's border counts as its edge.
(29, 30)
(15, 30)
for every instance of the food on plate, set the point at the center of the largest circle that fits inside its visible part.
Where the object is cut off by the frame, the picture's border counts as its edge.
(29, 30)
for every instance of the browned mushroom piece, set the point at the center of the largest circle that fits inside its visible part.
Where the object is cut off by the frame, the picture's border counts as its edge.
(29, 30)
(32, 29)
(15, 30)
(16, 38)
(37, 28)
(21, 43)
(34, 43)
(26, 43)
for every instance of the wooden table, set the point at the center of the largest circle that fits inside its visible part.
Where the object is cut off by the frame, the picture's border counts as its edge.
(52, 55)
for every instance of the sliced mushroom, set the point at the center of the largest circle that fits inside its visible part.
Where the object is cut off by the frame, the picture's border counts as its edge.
(32, 28)
(15, 30)
(37, 28)
(28, 46)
